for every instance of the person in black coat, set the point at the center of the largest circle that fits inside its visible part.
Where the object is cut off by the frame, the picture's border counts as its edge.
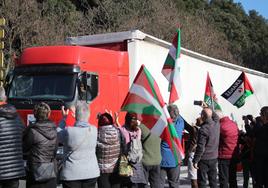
(260, 152)
(40, 142)
(11, 155)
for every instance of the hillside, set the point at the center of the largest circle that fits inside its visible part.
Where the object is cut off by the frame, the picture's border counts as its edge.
(217, 28)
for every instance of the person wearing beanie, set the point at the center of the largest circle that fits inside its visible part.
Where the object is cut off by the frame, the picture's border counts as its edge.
(108, 152)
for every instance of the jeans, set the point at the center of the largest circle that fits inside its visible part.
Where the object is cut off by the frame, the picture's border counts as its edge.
(30, 183)
(126, 183)
(88, 183)
(109, 180)
(247, 171)
(227, 173)
(152, 175)
(173, 176)
(207, 168)
(223, 165)
(11, 183)
(261, 172)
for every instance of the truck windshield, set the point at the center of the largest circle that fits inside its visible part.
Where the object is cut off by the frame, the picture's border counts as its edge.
(50, 86)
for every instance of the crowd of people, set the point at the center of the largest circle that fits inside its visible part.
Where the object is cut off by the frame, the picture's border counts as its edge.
(129, 156)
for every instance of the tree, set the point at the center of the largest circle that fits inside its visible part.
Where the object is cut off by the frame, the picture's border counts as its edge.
(217, 28)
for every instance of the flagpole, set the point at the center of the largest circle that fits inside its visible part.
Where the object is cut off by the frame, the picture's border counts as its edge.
(172, 85)
(211, 97)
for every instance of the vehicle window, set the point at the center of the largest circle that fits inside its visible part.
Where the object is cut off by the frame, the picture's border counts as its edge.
(22, 86)
(43, 86)
(88, 86)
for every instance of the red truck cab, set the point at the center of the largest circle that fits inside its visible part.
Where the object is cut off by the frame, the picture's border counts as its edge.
(61, 75)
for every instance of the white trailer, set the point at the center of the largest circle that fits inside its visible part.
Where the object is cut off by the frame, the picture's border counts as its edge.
(151, 51)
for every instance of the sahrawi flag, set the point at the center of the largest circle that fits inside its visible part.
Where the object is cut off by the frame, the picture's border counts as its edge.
(171, 69)
(239, 91)
(144, 98)
(210, 96)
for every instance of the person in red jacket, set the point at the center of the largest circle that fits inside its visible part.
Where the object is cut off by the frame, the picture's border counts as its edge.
(228, 151)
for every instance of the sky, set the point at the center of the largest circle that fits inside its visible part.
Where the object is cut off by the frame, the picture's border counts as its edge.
(261, 6)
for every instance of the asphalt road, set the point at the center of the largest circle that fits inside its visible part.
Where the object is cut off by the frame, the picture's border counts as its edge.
(185, 183)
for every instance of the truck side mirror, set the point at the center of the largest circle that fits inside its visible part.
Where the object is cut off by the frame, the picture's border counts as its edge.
(88, 86)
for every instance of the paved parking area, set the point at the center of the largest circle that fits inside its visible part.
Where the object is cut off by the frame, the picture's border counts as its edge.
(185, 183)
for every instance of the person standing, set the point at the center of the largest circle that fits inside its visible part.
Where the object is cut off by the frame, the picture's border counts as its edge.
(168, 164)
(192, 172)
(206, 154)
(80, 168)
(228, 151)
(40, 142)
(246, 145)
(108, 152)
(151, 156)
(260, 152)
(11, 155)
(132, 137)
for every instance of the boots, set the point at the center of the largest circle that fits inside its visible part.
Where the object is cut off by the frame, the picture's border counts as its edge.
(194, 184)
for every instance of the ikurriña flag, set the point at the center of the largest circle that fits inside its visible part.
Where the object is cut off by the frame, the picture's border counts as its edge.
(171, 68)
(238, 91)
(210, 97)
(144, 98)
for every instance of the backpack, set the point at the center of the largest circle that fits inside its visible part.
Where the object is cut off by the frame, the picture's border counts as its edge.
(135, 150)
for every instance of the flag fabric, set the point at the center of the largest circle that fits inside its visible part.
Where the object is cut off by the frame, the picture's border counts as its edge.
(238, 91)
(210, 97)
(171, 69)
(144, 98)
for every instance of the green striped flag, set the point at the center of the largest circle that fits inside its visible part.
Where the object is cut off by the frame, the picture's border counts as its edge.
(171, 68)
(144, 98)
(210, 97)
(238, 91)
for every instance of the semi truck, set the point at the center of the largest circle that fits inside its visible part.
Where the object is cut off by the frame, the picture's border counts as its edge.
(100, 69)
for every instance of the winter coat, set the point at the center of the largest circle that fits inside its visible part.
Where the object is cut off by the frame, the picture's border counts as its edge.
(208, 140)
(193, 133)
(80, 141)
(125, 132)
(40, 142)
(108, 148)
(11, 128)
(168, 160)
(260, 134)
(151, 147)
(228, 146)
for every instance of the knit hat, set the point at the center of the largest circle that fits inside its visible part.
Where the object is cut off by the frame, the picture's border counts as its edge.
(105, 119)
